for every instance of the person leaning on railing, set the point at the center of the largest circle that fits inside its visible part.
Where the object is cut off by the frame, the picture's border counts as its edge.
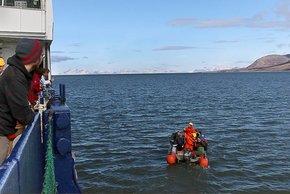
(15, 111)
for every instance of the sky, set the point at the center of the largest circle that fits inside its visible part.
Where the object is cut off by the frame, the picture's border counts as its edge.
(166, 36)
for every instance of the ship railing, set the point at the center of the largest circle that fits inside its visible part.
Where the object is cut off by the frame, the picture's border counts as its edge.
(23, 171)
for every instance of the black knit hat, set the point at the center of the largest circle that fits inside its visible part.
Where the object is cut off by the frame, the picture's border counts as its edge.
(28, 50)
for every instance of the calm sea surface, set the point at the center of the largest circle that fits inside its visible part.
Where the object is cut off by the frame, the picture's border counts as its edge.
(121, 126)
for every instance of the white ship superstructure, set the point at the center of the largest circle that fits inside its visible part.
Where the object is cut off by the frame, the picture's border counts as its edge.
(26, 18)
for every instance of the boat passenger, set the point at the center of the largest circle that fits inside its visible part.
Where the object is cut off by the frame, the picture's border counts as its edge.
(188, 135)
(178, 140)
(44, 82)
(200, 141)
(35, 87)
(2, 64)
(15, 111)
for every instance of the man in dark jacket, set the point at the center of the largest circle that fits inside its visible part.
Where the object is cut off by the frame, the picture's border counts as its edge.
(15, 111)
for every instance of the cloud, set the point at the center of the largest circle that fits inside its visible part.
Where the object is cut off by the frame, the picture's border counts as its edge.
(171, 48)
(281, 45)
(231, 22)
(257, 21)
(199, 23)
(56, 58)
(283, 9)
(76, 72)
(243, 62)
(226, 41)
(61, 52)
(76, 44)
(57, 52)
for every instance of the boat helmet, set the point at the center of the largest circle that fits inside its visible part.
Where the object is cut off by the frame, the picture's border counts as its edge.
(190, 123)
(2, 62)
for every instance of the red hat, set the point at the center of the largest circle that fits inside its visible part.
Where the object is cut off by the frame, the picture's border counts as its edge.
(29, 50)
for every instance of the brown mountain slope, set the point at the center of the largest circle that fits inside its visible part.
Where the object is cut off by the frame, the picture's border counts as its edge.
(271, 62)
(267, 63)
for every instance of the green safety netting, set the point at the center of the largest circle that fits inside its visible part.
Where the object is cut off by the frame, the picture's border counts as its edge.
(49, 183)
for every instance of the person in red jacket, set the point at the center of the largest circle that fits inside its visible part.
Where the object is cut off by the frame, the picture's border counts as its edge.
(35, 87)
(188, 135)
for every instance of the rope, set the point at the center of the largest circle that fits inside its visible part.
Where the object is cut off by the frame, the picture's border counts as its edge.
(41, 107)
(49, 183)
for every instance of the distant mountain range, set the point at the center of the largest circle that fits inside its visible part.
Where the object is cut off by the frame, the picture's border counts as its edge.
(266, 64)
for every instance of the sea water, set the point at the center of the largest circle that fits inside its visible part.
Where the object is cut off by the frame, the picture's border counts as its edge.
(121, 126)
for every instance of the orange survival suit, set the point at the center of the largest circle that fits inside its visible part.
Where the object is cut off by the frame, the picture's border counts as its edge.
(188, 135)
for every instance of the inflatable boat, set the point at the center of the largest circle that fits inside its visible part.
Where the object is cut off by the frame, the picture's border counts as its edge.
(177, 152)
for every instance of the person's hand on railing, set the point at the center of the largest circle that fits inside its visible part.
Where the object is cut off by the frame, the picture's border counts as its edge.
(20, 127)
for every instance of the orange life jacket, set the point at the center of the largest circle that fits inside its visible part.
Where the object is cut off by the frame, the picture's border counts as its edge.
(189, 141)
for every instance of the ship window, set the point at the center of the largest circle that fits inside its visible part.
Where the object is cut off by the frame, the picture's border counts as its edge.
(23, 3)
